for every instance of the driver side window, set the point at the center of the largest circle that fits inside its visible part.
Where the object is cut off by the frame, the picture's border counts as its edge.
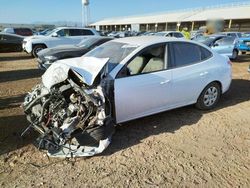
(150, 60)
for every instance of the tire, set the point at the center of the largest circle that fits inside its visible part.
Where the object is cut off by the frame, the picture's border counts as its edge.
(209, 97)
(235, 55)
(36, 49)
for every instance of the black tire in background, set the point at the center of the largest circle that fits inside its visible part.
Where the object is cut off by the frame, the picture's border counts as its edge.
(209, 97)
(37, 48)
(235, 55)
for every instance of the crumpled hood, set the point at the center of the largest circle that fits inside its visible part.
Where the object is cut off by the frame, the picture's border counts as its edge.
(87, 67)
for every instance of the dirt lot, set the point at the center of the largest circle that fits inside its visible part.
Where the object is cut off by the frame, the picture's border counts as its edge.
(183, 147)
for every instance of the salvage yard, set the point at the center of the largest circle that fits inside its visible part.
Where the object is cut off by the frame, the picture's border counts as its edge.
(183, 147)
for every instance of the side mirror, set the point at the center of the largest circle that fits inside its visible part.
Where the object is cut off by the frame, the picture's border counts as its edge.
(55, 35)
(216, 44)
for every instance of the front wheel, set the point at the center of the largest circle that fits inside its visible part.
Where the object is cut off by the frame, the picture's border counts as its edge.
(36, 49)
(209, 97)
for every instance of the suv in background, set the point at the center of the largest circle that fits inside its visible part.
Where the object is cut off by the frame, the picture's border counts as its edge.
(19, 31)
(57, 37)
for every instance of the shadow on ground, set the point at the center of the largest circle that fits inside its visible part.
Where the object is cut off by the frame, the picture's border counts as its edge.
(130, 133)
(11, 102)
(12, 57)
(16, 75)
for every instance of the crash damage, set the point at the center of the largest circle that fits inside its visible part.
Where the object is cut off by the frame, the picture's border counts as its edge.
(70, 109)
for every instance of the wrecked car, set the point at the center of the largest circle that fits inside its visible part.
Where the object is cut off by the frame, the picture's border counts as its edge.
(80, 100)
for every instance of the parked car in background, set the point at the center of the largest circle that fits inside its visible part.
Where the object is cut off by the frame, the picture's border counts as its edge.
(224, 45)
(244, 43)
(19, 31)
(47, 56)
(10, 42)
(59, 36)
(233, 34)
(44, 32)
(115, 83)
(175, 34)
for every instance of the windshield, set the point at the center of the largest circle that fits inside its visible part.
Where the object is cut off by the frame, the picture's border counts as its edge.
(88, 42)
(115, 51)
(50, 32)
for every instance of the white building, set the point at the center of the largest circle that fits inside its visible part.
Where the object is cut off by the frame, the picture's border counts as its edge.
(236, 17)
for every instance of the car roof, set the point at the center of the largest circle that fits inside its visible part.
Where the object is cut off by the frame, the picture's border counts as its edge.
(74, 28)
(146, 40)
(10, 34)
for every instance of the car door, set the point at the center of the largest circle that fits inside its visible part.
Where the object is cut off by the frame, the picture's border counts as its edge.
(143, 86)
(224, 46)
(190, 72)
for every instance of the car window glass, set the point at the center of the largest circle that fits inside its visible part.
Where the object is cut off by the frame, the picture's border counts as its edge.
(75, 32)
(186, 53)
(205, 54)
(178, 35)
(87, 32)
(115, 51)
(170, 35)
(149, 60)
(225, 41)
(61, 33)
(231, 34)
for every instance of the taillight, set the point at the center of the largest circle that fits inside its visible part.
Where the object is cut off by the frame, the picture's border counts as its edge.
(229, 62)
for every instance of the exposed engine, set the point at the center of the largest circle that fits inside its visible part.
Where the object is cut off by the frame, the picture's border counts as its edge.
(67, 115)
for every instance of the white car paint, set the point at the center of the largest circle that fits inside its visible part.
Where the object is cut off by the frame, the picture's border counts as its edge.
(87, 67)
(52, 40)
(146, 94)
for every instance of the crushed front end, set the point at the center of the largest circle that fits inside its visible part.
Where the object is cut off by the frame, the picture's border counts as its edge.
(72, 118)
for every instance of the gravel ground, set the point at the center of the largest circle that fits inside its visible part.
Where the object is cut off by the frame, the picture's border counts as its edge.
(179, 148)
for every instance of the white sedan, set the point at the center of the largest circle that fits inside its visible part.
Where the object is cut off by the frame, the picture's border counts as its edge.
(119, 81)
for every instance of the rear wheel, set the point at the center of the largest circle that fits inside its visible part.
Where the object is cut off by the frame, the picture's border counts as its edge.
(36, 49)
(209, 97)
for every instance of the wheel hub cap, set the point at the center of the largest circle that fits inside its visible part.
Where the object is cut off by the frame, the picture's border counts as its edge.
(210, 96)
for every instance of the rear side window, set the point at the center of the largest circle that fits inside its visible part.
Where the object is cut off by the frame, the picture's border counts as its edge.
(87, 32)
(187, 53)
(205, 54)
(80, 32)
(75, 32)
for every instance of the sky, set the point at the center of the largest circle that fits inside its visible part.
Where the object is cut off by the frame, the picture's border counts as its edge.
(31, 11)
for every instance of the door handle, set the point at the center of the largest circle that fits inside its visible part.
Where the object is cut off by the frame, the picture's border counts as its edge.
(165, 82)
(203, 73)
